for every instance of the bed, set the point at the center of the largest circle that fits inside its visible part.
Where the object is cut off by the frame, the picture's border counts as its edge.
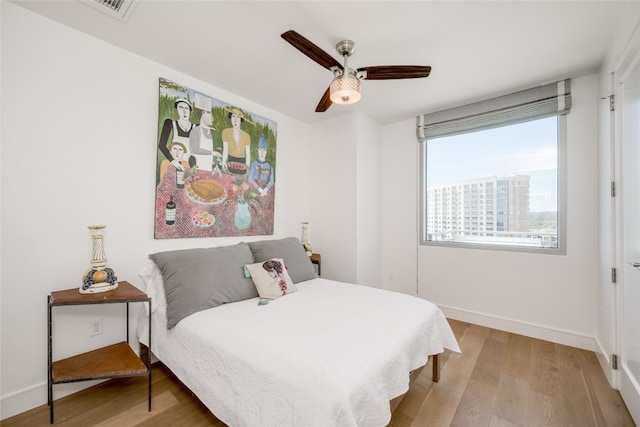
(325, 353)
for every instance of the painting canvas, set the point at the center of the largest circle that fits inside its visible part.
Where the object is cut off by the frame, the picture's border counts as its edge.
(216, 167)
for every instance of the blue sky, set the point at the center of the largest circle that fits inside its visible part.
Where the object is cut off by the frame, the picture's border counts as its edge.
(523, 149)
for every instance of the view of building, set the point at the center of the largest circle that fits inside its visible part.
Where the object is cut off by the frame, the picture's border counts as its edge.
(492, 209)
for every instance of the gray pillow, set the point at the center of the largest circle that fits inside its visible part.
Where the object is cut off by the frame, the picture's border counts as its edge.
(291, 251)
(197, 279)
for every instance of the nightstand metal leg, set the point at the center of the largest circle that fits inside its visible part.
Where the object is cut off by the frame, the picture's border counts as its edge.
(127, 323)
(49, 362)
(149, 353)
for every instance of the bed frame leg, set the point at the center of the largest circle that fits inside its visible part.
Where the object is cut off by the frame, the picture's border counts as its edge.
(436, 368)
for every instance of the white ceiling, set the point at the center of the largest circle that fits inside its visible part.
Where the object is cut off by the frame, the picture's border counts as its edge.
(477, 49)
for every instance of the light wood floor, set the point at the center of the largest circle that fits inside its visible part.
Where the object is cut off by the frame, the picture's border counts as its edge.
(502, 379)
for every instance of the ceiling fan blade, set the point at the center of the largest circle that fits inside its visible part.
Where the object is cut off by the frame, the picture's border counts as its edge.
(311, 50)
(325, 102)
(390, 72)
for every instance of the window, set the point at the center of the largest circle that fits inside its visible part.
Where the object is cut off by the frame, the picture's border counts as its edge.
(494, 185)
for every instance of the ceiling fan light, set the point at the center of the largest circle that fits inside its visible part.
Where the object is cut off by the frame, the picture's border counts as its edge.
(345, 90)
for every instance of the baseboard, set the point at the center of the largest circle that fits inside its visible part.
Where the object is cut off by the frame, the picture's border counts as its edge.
(36, 395)
(23, 400)
(542, 332)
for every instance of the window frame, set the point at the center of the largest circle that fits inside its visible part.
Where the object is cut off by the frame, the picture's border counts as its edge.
(561, 202)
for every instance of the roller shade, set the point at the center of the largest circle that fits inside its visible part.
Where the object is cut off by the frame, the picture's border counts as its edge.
(535, 103)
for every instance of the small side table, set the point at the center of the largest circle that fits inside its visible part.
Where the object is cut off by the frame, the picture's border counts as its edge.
(317, 260)
(113, 361)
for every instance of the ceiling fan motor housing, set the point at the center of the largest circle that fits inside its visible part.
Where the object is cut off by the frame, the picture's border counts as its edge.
(346, 47)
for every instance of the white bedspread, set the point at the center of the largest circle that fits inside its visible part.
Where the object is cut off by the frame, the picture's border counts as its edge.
(331, 354)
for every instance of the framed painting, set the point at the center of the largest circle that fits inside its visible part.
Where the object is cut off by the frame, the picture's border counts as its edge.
(216, 167)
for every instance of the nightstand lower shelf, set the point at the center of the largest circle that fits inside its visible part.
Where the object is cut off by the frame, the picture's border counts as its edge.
(117, 360)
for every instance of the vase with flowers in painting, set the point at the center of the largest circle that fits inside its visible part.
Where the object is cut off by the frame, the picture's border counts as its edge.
(247, 200)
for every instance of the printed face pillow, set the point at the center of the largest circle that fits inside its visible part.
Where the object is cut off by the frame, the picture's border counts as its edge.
(271, 278)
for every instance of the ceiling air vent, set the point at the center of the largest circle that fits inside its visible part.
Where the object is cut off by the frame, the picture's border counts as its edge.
(119, 9)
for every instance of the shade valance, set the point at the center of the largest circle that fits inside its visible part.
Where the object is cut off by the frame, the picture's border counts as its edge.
(535, 103)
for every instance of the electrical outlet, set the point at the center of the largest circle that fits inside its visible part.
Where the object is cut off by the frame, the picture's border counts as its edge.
(96, 327)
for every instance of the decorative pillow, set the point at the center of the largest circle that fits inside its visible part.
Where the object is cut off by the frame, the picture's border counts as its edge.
(271, 278)
(198, 279)
(291, 251)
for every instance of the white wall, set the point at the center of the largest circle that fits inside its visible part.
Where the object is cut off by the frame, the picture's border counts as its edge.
(345, 198)
(369, 197)
(547, 296)
(399, 201)
(78, 148)
(333, 196)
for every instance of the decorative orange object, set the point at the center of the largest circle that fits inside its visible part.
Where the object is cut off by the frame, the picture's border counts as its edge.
(99, 276)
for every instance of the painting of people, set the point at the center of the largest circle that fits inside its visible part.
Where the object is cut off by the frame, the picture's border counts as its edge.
(216, 167)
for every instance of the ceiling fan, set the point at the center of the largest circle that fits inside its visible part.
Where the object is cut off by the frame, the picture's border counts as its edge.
(345, 87)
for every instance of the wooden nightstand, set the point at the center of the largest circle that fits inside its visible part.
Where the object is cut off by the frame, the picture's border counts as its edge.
(317, 260)
(113, 361)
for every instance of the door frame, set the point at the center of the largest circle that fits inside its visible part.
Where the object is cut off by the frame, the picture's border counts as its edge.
(629, 58)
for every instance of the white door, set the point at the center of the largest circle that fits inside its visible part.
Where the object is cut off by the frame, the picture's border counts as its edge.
(628, 118)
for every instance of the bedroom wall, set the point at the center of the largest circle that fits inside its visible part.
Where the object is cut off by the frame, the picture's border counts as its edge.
(78, 148)
(399, 189)
(369, 165)
(551, 297)
(333, 196)
(345, 197)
